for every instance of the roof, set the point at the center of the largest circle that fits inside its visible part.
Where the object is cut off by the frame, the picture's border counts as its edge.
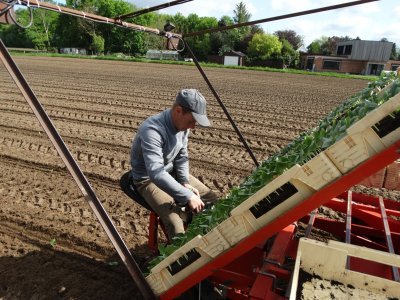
(162, 51)
(234, 53)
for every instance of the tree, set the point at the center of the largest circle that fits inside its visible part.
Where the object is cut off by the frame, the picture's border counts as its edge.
(291, 36)
(14, 36)
(329, 46)
(326, 45)
(393, 54)
(314, 47)
(264, 46)
(97, 45)
(243, 43)
(79, 32)
(289, 54)
(241, 15)
(69, 33)
(42, 30)
(224, 41)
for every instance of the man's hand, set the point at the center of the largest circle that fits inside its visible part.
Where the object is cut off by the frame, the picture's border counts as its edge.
(194, 190)
(195, 204)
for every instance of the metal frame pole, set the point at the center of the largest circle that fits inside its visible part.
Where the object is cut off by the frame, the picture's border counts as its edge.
(76, 173)
(242, 139)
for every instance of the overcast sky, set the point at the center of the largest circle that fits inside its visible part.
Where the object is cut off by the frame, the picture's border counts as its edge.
(371, 21)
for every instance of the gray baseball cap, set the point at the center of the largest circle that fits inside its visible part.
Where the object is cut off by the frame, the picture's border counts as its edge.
(194, 101)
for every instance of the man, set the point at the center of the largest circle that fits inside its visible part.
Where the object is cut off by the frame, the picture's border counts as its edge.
(160, 166)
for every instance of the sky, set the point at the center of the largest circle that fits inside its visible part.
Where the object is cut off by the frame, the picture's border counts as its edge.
(370, 21)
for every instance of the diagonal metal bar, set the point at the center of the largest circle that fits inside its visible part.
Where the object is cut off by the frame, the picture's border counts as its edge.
(311, 223)
(153, 8)
(242, 139)
(287, 16)
(76, 173)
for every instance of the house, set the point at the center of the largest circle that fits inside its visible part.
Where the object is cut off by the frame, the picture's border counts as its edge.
(163, 54)
(231, 58)
(354, 57)
(78, 51)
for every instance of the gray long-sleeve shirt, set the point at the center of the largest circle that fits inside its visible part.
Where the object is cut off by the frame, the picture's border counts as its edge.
(159, 148)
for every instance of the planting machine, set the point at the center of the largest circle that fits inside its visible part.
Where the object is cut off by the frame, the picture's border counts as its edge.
(257, 252)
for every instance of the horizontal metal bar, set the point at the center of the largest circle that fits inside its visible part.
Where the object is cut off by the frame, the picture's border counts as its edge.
(153, 8)
(302, 13)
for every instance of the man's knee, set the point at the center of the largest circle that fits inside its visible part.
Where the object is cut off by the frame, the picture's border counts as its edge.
(174, 224)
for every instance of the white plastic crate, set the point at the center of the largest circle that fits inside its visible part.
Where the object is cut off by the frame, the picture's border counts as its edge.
(318, 172)
(234, 229)
(362, 141)
(371, 120)
(328, 261)
(185, 260)
(291, 192)
(214, 243)
(352, 150)
(157, 284)
(178, 265)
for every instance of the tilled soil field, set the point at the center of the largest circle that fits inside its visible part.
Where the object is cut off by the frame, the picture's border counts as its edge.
(51, 244)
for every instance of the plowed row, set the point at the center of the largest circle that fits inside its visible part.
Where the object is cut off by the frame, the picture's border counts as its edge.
(97, 107)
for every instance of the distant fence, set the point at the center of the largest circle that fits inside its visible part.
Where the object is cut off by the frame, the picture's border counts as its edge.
(271, 63)
(26, 50)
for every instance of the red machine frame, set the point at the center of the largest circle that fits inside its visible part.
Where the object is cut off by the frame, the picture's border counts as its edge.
(247, 271)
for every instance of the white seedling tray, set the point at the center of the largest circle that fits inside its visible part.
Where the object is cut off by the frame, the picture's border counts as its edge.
(328, 261)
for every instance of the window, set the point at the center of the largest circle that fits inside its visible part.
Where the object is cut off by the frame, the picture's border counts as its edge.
(395, 66)
(331, 64)
(344, 50)
(347, 49)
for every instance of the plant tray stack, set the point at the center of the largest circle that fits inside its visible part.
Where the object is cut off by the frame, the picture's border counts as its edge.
(283, 193)
(286, 191)
(376, 131)
(191, 256)
(329, 262)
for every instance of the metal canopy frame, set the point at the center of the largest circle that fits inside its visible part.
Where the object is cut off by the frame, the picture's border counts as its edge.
(243, 247)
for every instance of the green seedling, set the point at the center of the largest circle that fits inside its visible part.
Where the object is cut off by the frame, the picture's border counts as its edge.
(53, 243)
